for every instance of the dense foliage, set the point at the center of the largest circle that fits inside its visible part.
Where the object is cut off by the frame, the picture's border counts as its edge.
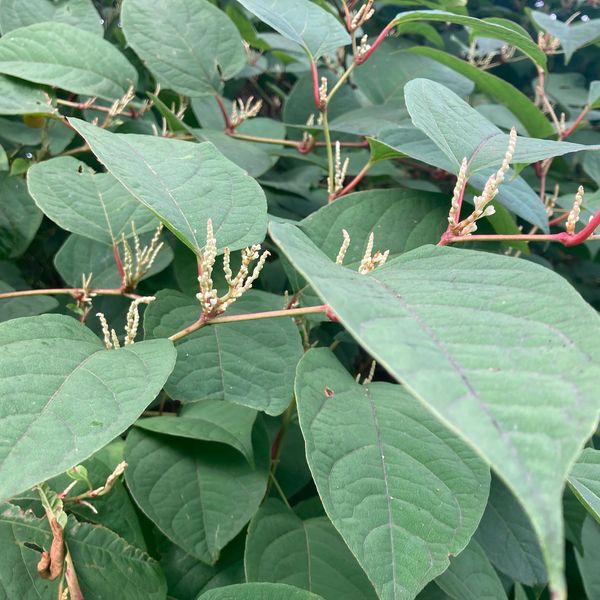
(298, 299)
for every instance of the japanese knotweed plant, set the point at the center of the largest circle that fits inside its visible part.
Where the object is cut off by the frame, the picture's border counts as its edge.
(298, 300)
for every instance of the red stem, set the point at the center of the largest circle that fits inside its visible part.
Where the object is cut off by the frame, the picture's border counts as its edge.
(118, 261)
(219, 100)
(384, 33)
(359, 177)
(315, 79)
(577, 122)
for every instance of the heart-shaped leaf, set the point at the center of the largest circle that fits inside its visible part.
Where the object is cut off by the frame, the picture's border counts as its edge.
(403, 491)
(77, 400)
(473, 378)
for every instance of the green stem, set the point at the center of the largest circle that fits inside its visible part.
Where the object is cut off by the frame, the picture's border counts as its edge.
(67, 291)
(340, 82)
(329, 148)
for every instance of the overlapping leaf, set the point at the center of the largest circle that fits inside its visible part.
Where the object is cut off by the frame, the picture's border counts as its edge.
(64, 56)
(78, 399)
(190, 46)
(184, 184)
(464, 332)
(403, 491)
(584, 481)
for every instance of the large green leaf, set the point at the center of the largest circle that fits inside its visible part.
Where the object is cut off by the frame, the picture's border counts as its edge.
(63, 396)
(460, 131)
(64, 56)
(310, 554)
(20, 98)
(303, 22)
(584, 481)
(259, 591)
(471, 577)
(517, 102)
(463, 331)
(190, 46)
(211, 421)
(508, 539)
(251, 363)
(80, 13)
(184, 184)
(403, 491)
(94, 205)
(572, 36)
(19, 216)
(513, 35)
(199, 494)
(106, 565)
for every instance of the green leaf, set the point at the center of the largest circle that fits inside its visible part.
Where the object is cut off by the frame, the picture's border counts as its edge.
(491, 397)
(460, 131)
(199, 494)
(572, 36)
(403, 491)
(383, 77)
(513, 35)
(190, 46)
(588, 560)
(584, 481)
(211, 421)
(81, 256)
(15, 14)
(63, 396)
(184, 184)
(310, 554)
(259, 591)
(594, 94)
(64, 56)
(250, 363)
(506, 535)
(302, 22)
(94, 205)
(471, 576)
(20, 98)
(19, 216)
(106, 566)
(419, 218)
(517, 102)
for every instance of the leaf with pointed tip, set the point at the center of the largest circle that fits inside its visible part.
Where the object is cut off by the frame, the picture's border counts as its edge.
(460, 131)
(514, 35)
(302, 22)
(94, 205)
(190, 46)
(471, 576)
(64, 56)
(414, 325)
(57, 411)
(211, 421)
(251, 363)
(199, 494)
(107, 566)
(403, 491)
(572, 36)
(15, 14)
(584, 481)
(184, 184)
(259, 591)
(310, 554)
